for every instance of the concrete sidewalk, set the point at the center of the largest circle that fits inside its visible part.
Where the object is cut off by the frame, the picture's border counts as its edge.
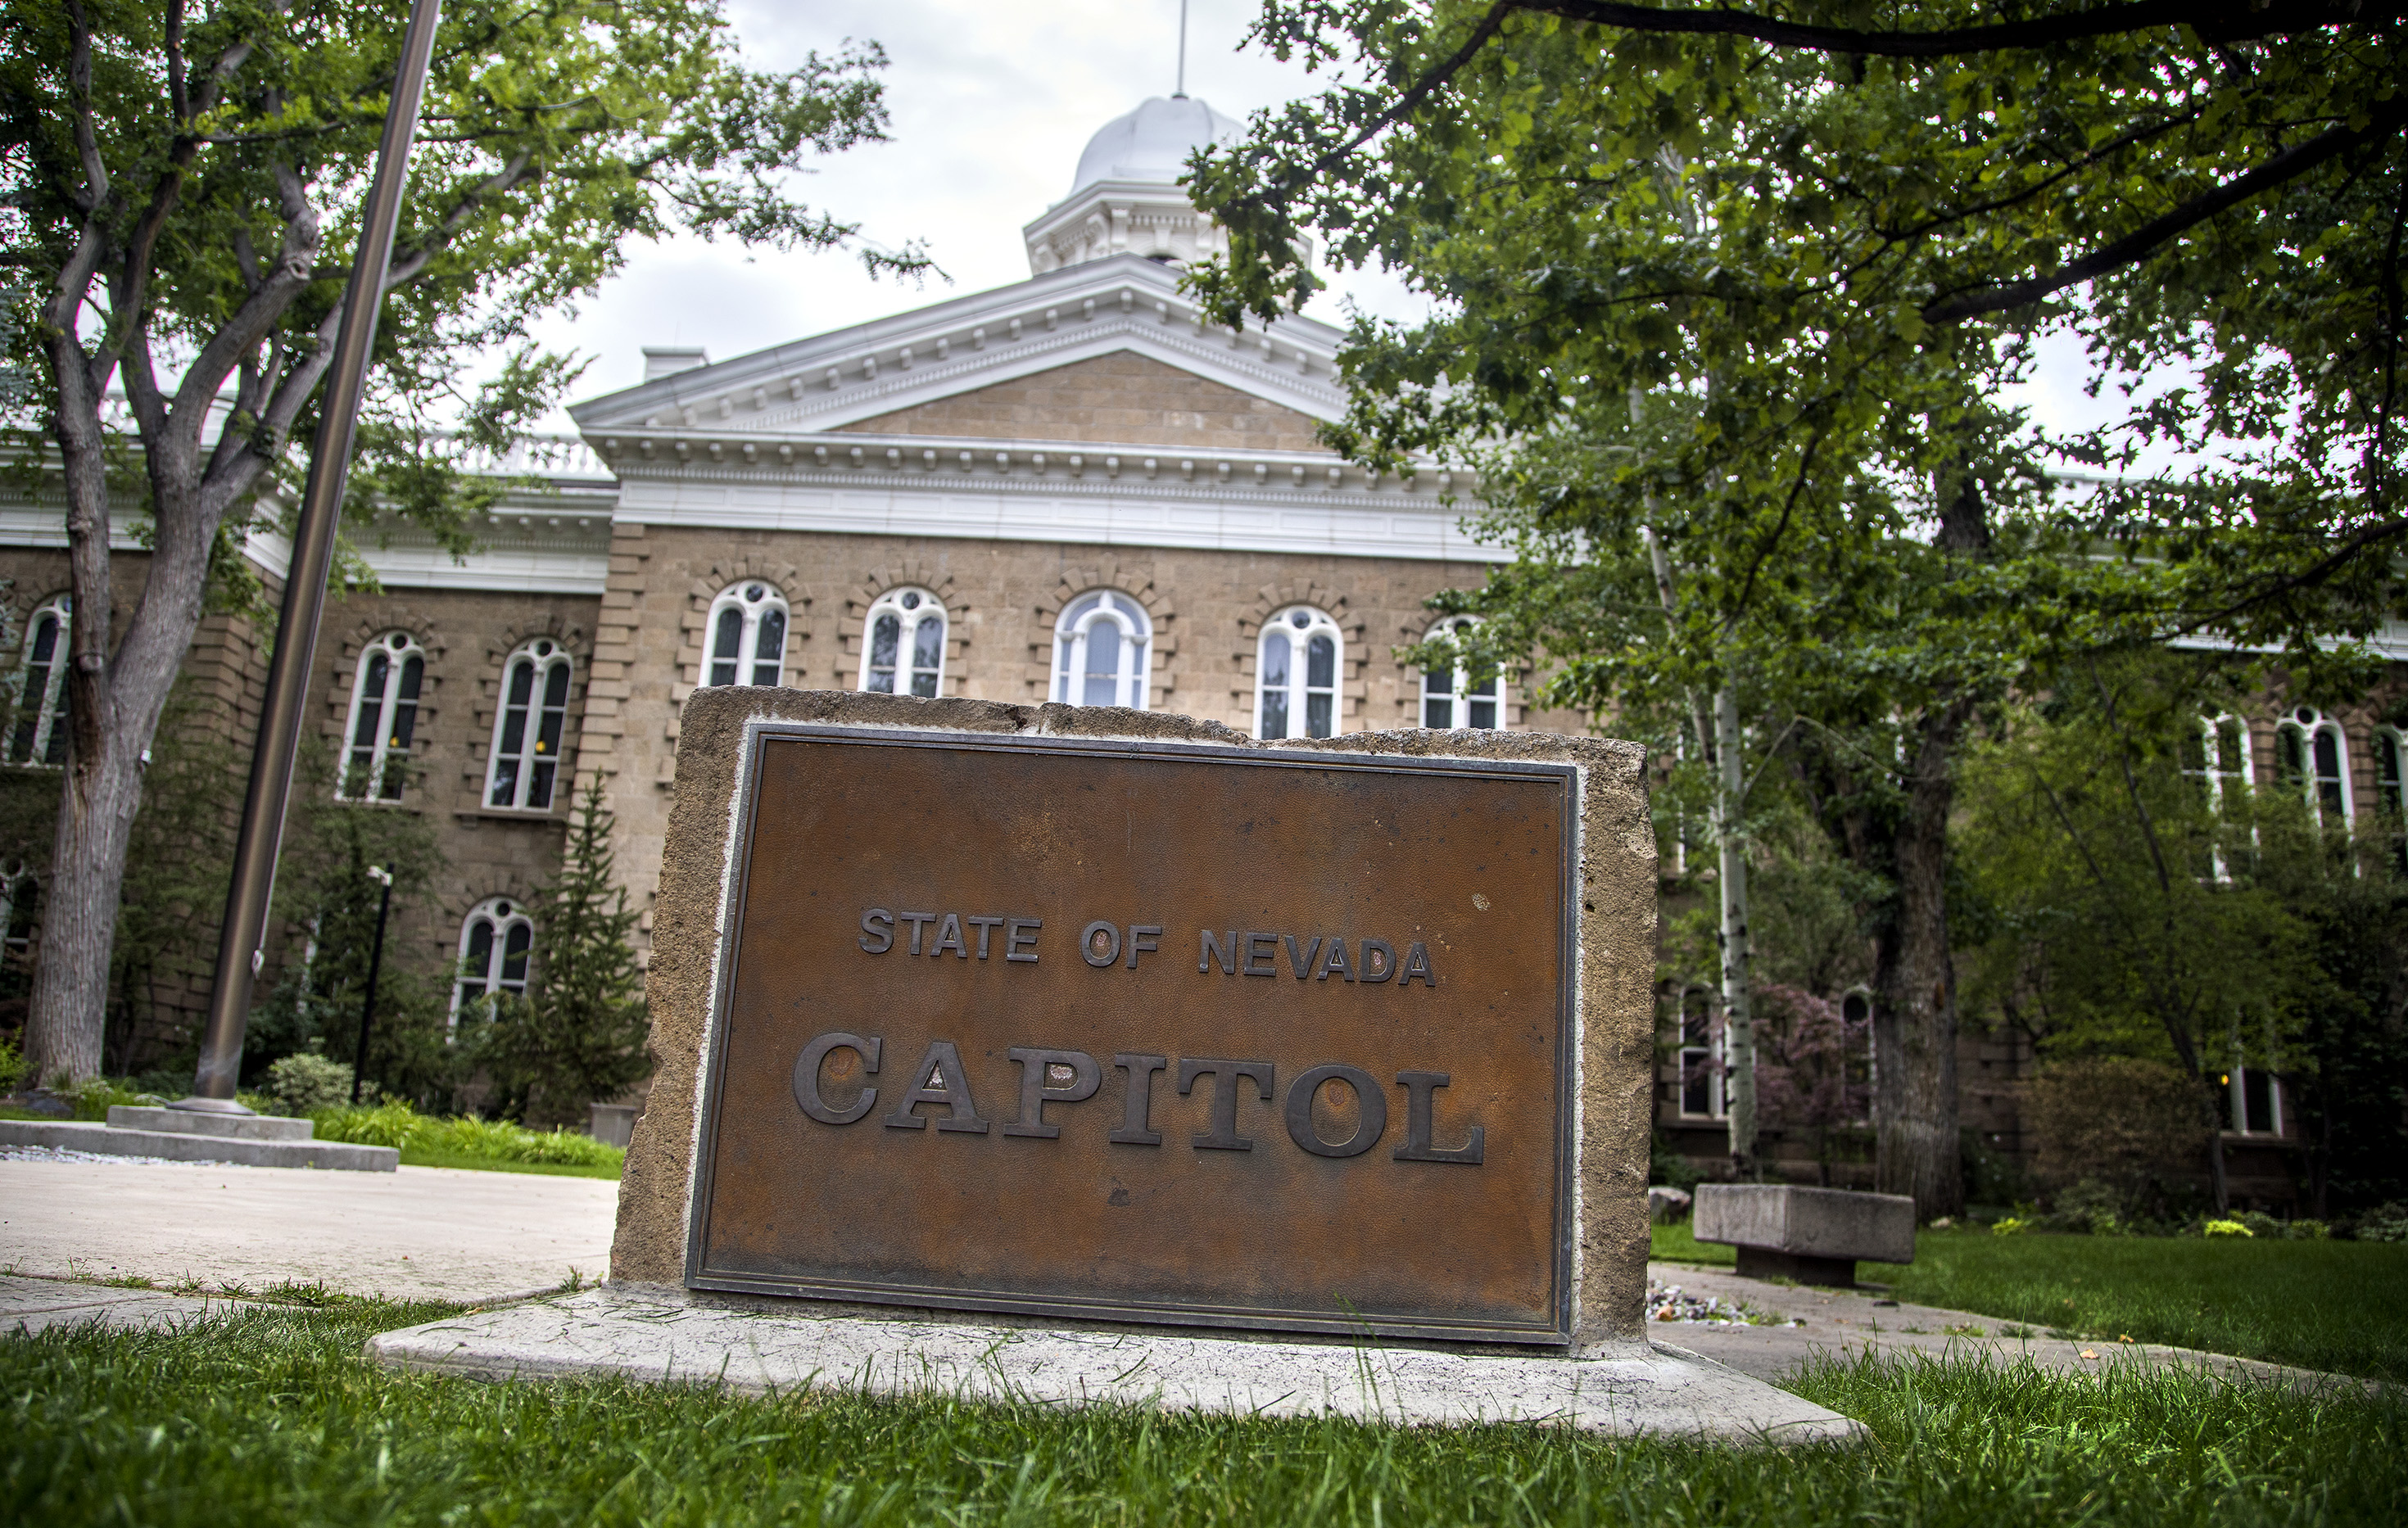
(1846, 1324)
(420, 1233)
(428, 1233)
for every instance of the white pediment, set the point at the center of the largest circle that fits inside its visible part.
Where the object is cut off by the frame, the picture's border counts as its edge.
(829, 381)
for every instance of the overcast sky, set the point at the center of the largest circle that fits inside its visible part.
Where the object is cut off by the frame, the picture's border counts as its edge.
(991, 103)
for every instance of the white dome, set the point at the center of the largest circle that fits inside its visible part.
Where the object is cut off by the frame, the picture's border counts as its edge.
(1153, 142)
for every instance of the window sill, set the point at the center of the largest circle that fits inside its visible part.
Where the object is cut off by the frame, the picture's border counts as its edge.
(2261, 1137)
(503, 814)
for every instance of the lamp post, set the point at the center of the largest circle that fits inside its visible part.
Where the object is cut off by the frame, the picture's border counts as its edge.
(382, 873)
(242, 934)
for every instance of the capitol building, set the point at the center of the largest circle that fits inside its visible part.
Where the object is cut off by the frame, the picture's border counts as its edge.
(1072, 487)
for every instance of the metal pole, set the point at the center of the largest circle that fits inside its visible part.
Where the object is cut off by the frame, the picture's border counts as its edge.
(241, 937)
(376, 966)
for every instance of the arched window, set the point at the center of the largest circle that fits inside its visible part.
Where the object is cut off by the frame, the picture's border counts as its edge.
(384, 714)
(527, 727)
(40, 736)
(748, 636)
(903, 644)
(495, 939)
(1453, 698)
(1296, 675)
(1101, 649)
(2216, 755)
(2216, 758)
(1701, 1081)
(1857, 1027)
(2313, 760)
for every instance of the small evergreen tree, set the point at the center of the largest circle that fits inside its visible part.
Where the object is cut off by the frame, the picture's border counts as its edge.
(581, 1032)
(326, 906)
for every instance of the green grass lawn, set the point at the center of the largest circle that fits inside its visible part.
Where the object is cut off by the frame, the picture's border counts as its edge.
(2336, 1306)
(413, 1156)
(272, 1417)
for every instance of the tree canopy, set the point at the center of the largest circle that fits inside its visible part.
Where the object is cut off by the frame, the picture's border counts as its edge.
(180, 193)
(1724, 307)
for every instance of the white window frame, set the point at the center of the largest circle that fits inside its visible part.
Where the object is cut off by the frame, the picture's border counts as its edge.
(1461, 703)
(2238, 1122)
(912, 608)
(394, 733)
(2218, 775)
(1135, 668)
(506, 917)
(542, 726)
(1695, 1052)
(2391, 788)
(2226, 773)
(751, 600)
(37, 734)
(2307, 726)
(1296, 629)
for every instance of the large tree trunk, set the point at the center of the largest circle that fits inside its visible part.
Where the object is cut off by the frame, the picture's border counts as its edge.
(69, 1010)
(1914, 1007)
(114, 703)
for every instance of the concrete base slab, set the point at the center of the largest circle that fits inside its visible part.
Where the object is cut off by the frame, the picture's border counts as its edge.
(249, 1127)
(654, 1337)
(188, 1146)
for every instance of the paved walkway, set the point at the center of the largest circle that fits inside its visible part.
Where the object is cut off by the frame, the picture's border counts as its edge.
(430, 1233)
(1848, 1323)
(420, 1233)
(36, 1305)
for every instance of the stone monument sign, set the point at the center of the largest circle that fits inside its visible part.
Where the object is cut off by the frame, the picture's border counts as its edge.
(1095, 1014)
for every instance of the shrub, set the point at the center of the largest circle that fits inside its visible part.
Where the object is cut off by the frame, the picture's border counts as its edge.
(393, 1123)
(2130, 1125)
(396, 1123)
(2386, 1223)
(2090, 1206)
(2307, 1230)
(13, 1066)
(305, 1082)
(2012, 1226)
(2225, 1228)
(2260, 1224)
(95, 1095)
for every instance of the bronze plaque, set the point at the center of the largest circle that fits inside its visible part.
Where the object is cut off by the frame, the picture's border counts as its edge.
(1145, 1032)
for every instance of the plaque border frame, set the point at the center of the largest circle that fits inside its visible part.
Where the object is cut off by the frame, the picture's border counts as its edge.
(761, 732)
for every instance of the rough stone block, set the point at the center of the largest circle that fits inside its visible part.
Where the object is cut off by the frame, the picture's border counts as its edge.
(1611, 949)
(1802, 1229)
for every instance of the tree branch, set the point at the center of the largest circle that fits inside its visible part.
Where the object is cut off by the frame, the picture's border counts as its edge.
(2232, 20)
(2324, 567)
(2287, 165)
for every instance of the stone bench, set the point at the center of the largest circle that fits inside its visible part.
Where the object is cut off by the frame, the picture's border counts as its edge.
(1812, 1235)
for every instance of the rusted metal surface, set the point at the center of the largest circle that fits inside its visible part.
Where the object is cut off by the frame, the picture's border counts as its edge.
(1212, 1036)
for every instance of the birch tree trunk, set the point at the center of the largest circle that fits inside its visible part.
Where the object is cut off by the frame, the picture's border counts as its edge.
(1738, 1020)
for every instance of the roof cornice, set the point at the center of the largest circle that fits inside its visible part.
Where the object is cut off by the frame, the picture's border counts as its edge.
(859, 373)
